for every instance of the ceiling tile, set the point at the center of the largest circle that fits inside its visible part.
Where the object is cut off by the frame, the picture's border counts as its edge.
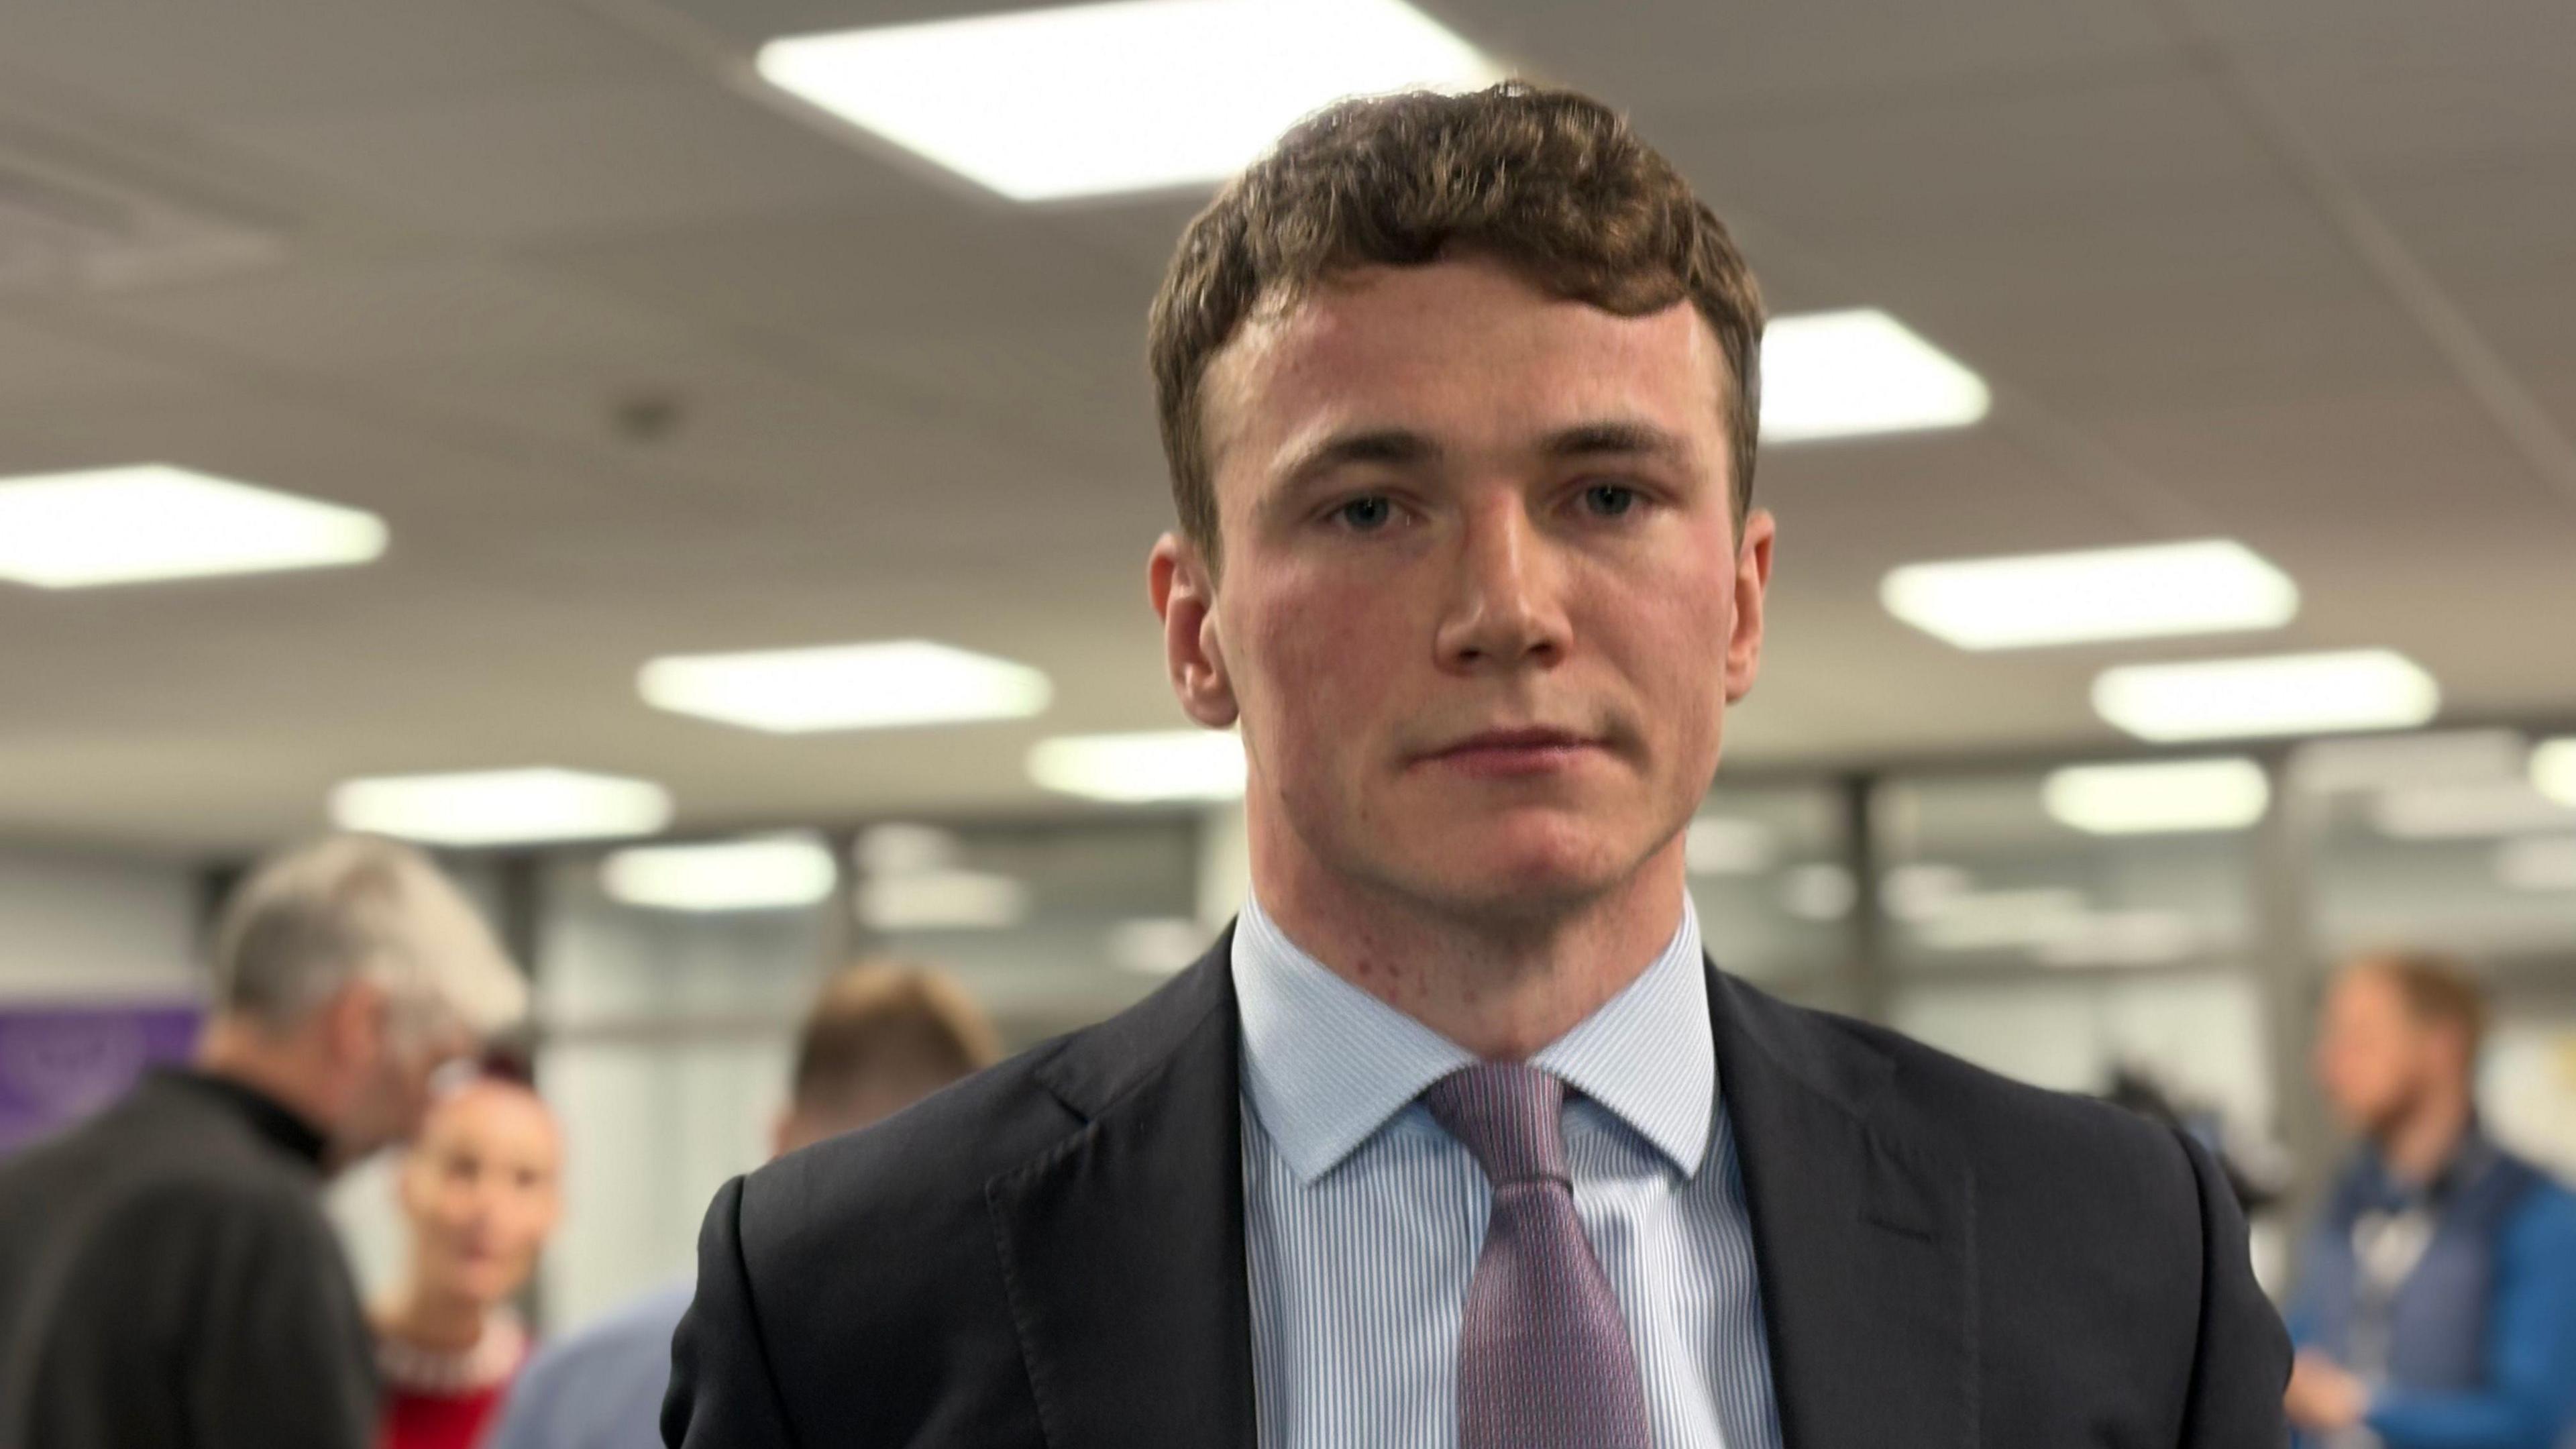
(575, 160)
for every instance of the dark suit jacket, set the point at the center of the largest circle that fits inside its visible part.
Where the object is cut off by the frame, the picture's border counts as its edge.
(1052, 1254)
(168, 1281)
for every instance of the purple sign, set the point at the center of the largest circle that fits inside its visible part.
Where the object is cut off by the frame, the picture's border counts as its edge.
(58, 1064)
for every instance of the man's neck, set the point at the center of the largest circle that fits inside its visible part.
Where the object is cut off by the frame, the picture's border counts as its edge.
(279, 1069)
(2419, 1146)
(1500, 984)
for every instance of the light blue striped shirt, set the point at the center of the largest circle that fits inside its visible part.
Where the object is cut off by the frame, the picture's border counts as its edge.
(1363, 1219)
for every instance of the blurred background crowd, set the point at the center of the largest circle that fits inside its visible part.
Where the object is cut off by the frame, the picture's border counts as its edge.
(686, 466)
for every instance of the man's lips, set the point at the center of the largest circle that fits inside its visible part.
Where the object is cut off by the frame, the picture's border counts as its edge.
(1514, 751)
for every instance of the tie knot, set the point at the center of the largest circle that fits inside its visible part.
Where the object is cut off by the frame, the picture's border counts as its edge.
(1509, 1114)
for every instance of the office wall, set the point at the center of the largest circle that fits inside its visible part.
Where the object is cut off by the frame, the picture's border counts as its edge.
(78, 927)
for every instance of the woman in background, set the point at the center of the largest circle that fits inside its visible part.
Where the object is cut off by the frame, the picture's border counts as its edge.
(481, 1190)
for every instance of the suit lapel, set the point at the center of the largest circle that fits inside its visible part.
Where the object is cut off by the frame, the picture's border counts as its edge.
(1123, 1245)
(1861, 1233)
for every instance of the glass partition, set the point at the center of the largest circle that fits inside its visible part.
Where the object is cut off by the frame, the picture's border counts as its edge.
(2025, 935)
(1771, 876)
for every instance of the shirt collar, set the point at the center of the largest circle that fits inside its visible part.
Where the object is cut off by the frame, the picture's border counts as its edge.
(1326, 1065)
(276, 1123)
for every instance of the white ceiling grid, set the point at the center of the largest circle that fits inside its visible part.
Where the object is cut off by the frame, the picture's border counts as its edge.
(905, 408)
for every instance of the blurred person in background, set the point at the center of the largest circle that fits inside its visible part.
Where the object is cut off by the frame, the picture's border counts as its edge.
(481, 1188)
(1458, 1137)
(2436, 1300)
(880, 1036)
(167, 1277)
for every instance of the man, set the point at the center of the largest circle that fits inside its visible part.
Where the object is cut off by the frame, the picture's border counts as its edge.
(2436, 1306)
(167, 1278)
(879, 1038)
(1456, 1138)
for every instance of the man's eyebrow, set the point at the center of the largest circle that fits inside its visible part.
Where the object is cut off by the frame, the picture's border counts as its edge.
(1616, 438)
(1394, 447)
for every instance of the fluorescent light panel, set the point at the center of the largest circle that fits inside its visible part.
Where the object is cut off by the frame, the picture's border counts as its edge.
(2211, 586)
(777, 873)
(1092, 100)
(154, 521)
(501, 807)
(1850, 373)
(845, 687)
(1140, 768)
(2158, 797)
(2553, 770)
(2281, 694)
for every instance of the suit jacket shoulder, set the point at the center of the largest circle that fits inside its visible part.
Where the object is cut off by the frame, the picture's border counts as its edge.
(2012, 1132)
(904, 1183)
(890, 1247)
(2089, 1265)
(1052, 1253)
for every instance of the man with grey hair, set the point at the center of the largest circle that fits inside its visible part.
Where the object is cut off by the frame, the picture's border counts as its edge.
(167, 1277)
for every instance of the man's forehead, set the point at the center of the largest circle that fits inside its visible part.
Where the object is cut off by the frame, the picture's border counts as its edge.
(2373, 988)
(1467, 332)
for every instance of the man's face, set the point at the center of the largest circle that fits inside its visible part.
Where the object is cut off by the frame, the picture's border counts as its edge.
(396, 1059)
(1482, 603)
(2374, 1059)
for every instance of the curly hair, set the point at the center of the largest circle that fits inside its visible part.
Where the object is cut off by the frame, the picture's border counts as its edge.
(1552, 183)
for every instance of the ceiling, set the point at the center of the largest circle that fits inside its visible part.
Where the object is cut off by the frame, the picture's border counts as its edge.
(2301, 272)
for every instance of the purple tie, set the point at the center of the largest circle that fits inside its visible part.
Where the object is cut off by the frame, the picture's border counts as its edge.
(1543, 1357)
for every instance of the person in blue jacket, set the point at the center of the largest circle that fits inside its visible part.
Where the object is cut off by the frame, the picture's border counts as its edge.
(2436, 1302)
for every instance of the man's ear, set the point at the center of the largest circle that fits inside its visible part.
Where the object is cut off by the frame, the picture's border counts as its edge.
(1752, 586)
(1184, 594)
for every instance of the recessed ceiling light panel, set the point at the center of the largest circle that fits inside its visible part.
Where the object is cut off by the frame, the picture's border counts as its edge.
(1093, 100)
(2212, 586)
(777, 873)
(2553, 770)
(1853, 373)
(845, 687)
(2281, 694)
(151, 522)
(2157, 797)
(501, 807)
(1139, 768)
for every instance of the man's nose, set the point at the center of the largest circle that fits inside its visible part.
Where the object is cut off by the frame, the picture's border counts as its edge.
(1504, 609)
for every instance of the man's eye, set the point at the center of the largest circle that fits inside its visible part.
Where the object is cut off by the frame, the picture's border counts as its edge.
(1365, 515)
(1608, 500)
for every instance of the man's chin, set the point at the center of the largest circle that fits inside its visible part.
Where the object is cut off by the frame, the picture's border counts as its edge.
(1503, 876)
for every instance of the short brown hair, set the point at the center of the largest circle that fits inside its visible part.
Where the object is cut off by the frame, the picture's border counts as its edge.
(2438, 990)
(1550, 182)
(888, 1026)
